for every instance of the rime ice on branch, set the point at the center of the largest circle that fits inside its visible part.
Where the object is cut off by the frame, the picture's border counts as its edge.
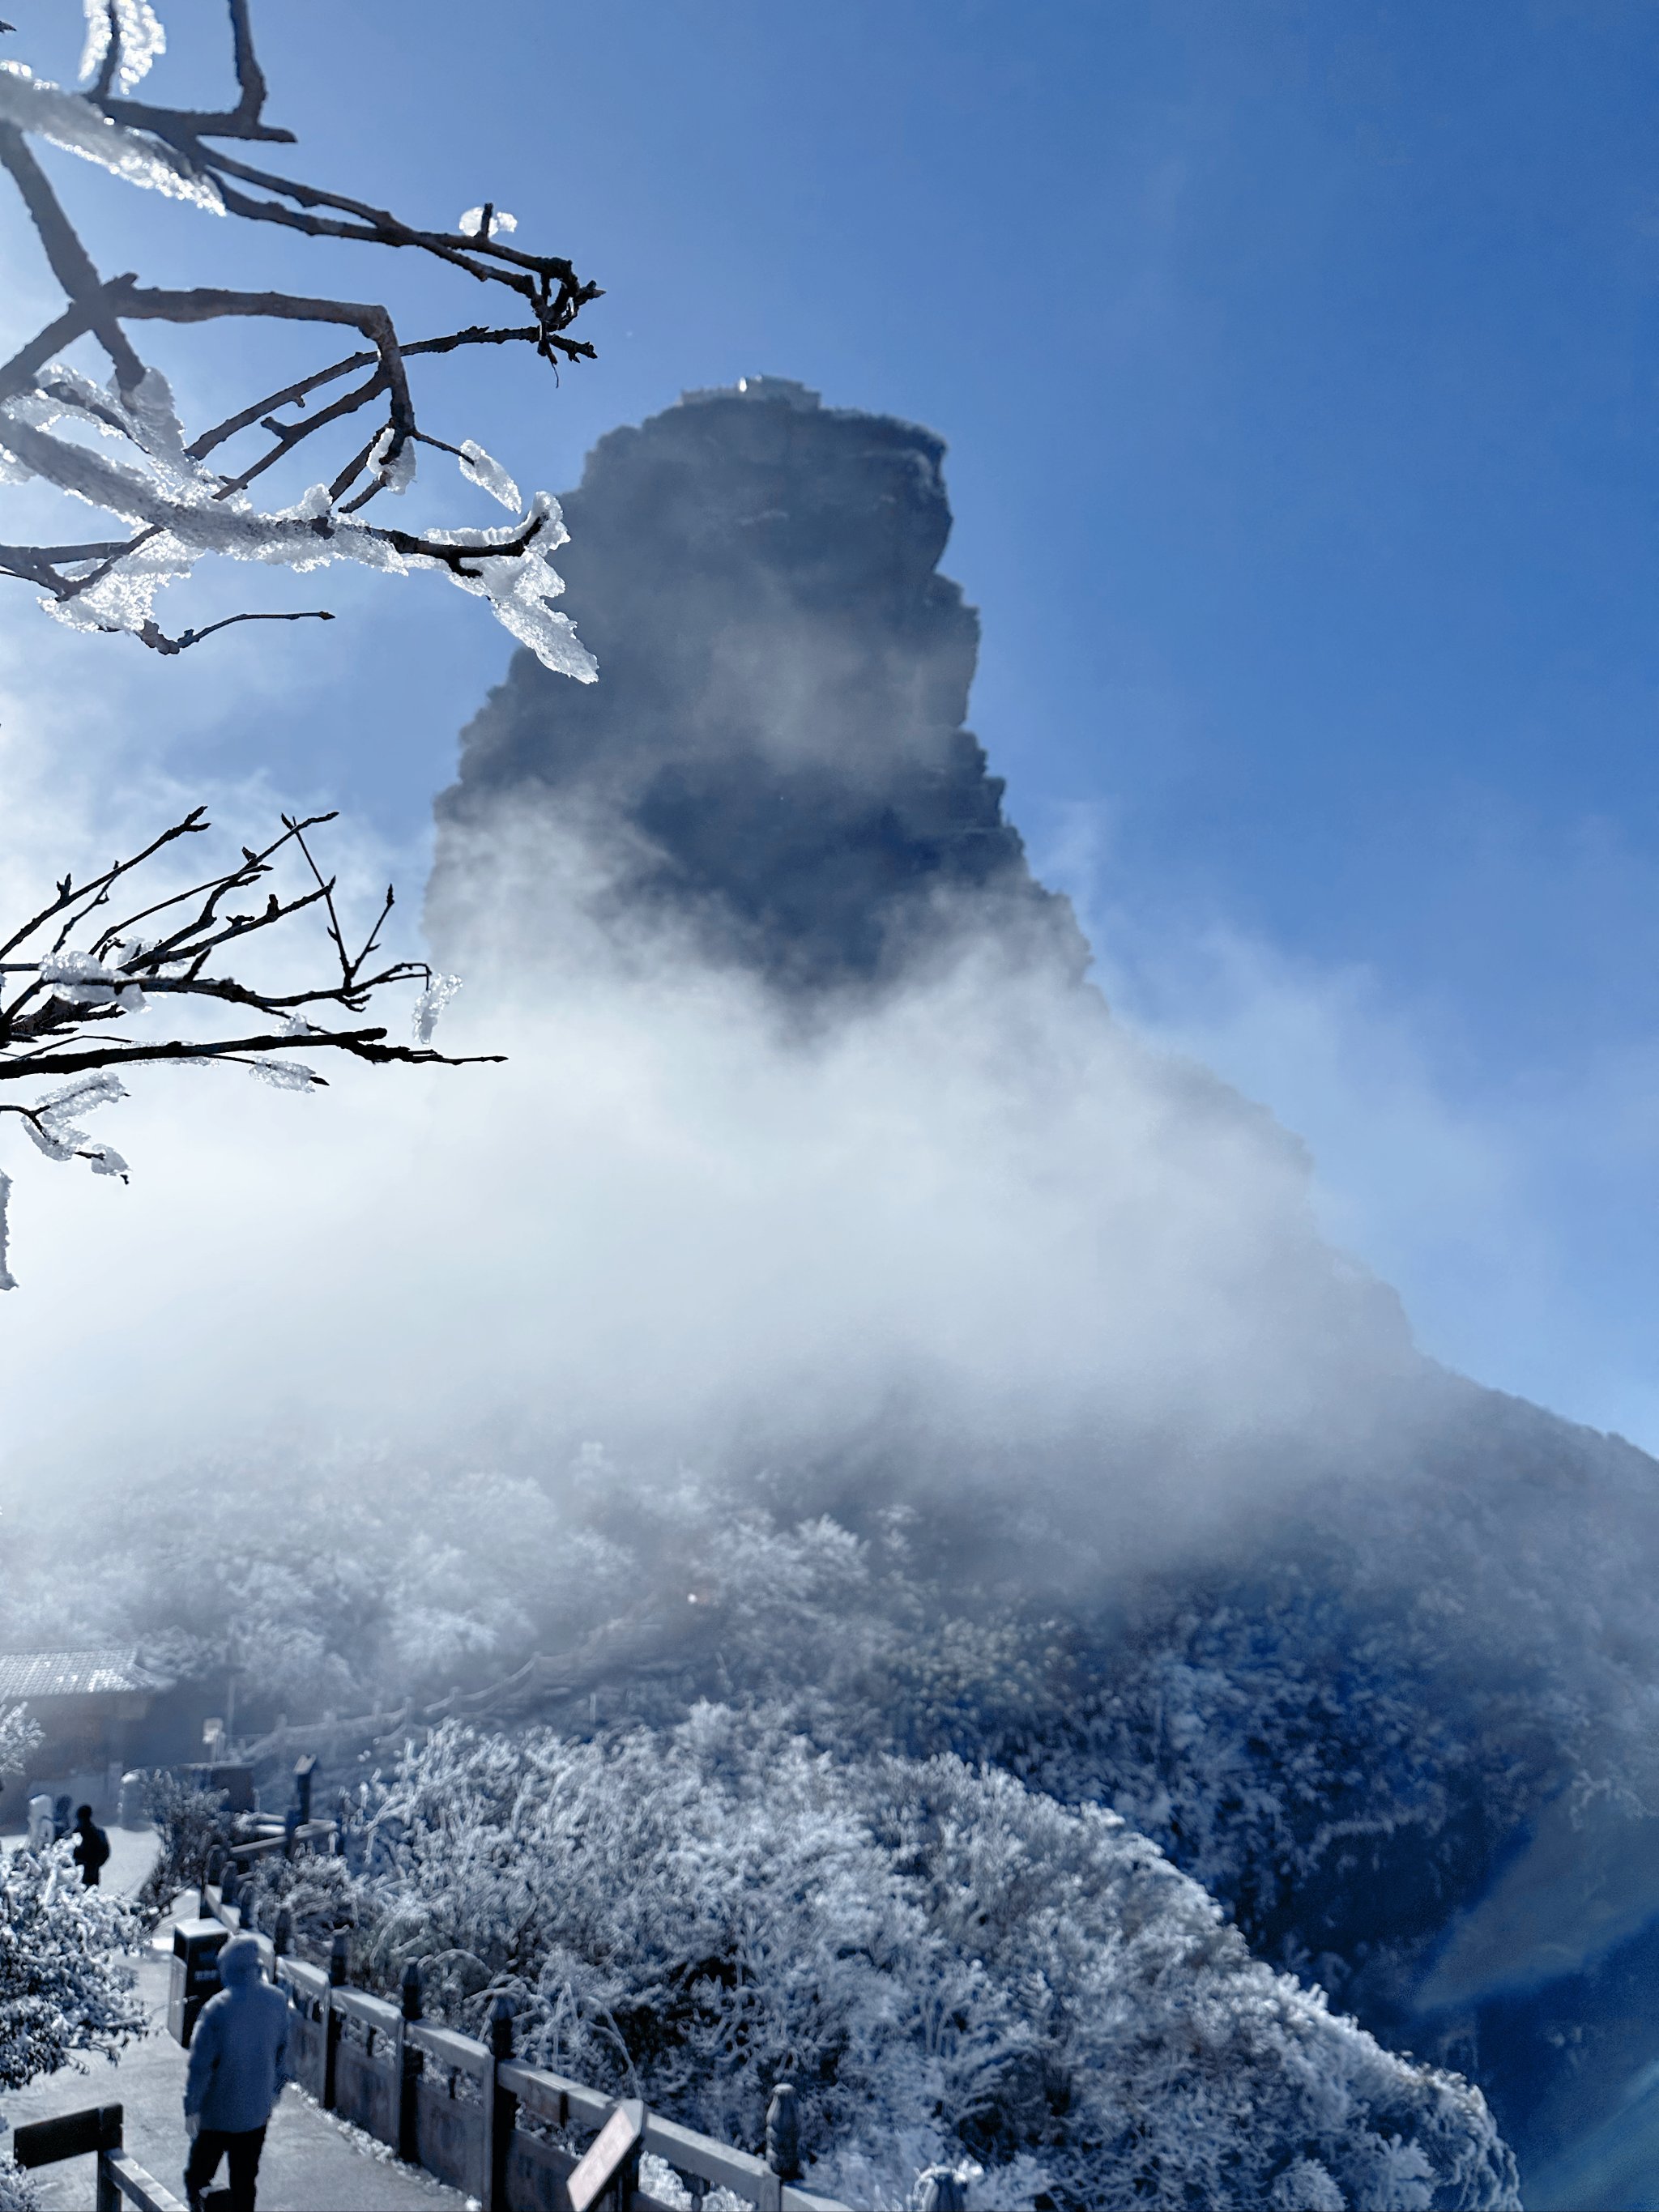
(173, 503)
(68, 972)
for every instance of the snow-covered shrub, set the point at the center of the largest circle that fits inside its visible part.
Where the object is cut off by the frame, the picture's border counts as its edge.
(322, 1894)
(60, 1992)
(18, 1737)
(191, 1822)
(945, 1963)
(63, 1990)
(17, 2192)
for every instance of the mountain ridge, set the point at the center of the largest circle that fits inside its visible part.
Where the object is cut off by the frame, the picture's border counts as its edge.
(1424, 1655)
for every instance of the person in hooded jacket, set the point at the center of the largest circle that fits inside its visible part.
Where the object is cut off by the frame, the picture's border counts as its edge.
(92, 1852)
(238, 2064)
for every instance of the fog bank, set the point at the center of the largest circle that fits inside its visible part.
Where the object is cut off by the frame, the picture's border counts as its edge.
(675, 1219)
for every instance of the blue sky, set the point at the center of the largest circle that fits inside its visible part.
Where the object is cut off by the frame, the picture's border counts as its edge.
(1298, 369)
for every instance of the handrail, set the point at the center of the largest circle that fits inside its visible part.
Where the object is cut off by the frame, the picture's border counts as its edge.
(95, 2131)
(313, 1980)
(723, 2167)
(372, 2011)
(447, 2045)
(510, 2087)
(307, 1832)
(551, 2098)
(123, 2173)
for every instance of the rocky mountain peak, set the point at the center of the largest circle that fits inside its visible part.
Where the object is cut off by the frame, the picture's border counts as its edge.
(776, 755)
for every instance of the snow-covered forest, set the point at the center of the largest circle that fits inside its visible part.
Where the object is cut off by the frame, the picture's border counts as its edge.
(827, 1509)
(951, 1968)
(1298, 1735)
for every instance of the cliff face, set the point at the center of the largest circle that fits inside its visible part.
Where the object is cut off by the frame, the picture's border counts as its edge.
(774, 759)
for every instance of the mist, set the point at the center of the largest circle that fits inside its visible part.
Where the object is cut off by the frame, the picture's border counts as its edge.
(678, 1219)
(812, 1147)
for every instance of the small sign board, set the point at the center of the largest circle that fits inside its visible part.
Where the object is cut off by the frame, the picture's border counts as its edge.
(598, 2169)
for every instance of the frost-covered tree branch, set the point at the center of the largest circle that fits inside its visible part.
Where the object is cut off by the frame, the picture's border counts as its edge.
(172, 506)
(98, 955)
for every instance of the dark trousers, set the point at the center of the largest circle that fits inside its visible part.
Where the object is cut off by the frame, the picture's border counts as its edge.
(243, 2151)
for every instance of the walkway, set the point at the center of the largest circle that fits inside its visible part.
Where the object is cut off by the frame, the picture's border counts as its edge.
(311, 2163)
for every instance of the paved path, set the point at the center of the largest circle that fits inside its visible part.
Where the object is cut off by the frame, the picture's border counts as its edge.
(310, 2162)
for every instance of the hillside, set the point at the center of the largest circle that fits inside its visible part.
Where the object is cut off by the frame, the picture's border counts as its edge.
(1399, 1723)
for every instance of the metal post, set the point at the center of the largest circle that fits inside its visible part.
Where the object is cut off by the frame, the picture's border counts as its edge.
(109, 2138)
(409, 2069)
(333, 2021)
(628, 2180)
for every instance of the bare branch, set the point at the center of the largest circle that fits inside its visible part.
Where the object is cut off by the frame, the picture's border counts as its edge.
(250, 77)
(296, 394)
(361, 1044)
(289, 435)
(81, 984)
(193, 823)
(70, 263)
(182, 643)
(19, 372)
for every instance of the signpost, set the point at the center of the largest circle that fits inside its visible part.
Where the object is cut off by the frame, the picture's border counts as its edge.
(616, 2142)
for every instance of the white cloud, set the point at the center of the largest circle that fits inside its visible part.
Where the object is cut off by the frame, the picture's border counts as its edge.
(978, 1211)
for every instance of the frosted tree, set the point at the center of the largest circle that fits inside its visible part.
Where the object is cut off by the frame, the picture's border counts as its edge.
(177, 495)
(953, 1970)
(64, 1991)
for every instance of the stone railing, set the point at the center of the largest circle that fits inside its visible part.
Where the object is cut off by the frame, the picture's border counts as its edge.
(475, 2116)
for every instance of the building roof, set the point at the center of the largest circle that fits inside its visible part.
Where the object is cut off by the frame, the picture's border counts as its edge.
(70, 1674)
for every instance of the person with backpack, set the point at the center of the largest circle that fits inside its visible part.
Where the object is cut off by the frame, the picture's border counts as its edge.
(238, 2065)
(93, 1850)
